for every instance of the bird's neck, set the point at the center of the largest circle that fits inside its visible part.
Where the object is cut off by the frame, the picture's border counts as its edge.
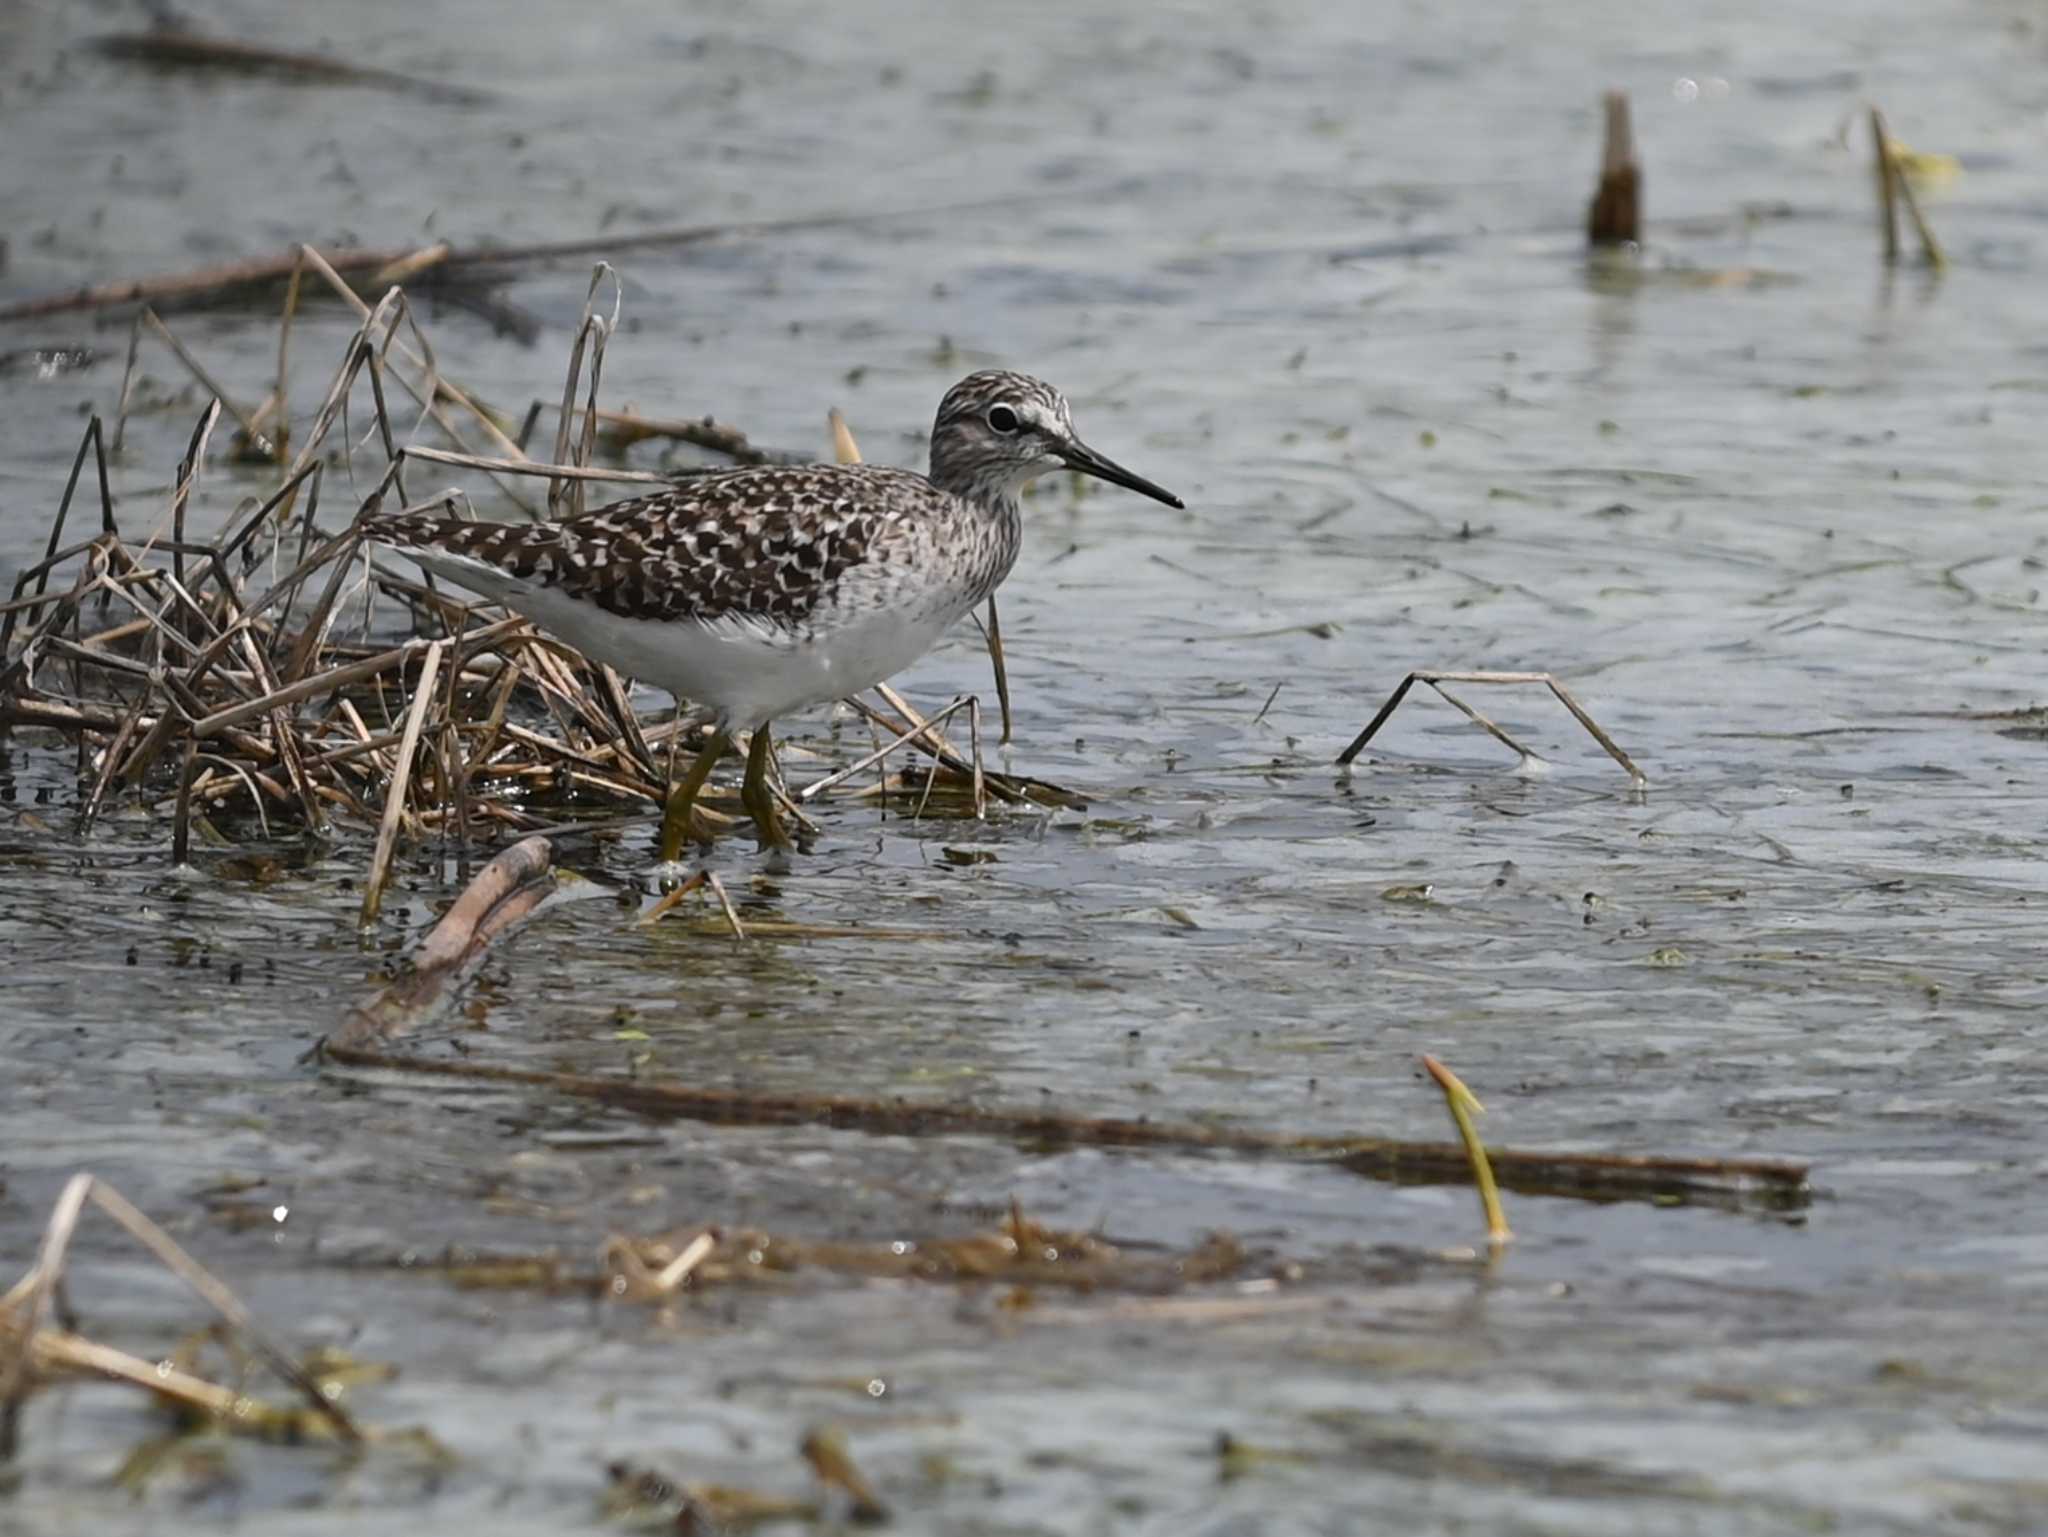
(988, 483)
(993, 533)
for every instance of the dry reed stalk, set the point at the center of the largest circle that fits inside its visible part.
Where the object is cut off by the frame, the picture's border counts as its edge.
(825, 1449)
(401, 774)
(428, 399)
(565, 497)
(280, 396)
(1016, 790)
(921, 731)
(557, 471)
(725, 904)
(1895, 187)
(93, 439)
(193, 366)
(845, 450)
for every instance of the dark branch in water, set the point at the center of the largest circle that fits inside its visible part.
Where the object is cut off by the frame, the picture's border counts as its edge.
(177, 48)
(1590, 1176)
(509, 888)
(232, 279)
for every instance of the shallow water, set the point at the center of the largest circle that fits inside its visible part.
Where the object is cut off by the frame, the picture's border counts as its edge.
(1320, 274)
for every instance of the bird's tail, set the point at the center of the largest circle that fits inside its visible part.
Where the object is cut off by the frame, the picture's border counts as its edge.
(495, 560)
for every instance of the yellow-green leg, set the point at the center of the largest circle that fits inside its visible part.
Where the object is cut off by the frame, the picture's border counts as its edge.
(680, 823)
(759, 798)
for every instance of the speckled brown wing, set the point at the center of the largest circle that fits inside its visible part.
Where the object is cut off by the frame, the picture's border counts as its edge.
(767, 545)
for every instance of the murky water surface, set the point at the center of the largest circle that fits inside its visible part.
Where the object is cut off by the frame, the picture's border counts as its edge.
(1773, 514)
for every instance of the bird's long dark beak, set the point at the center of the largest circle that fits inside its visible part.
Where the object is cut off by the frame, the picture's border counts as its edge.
(1079, 456)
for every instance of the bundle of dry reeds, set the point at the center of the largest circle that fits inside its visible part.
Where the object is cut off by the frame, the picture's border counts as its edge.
(224, 676)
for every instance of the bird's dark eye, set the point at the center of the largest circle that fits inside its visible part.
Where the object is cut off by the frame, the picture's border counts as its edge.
(1002, 418)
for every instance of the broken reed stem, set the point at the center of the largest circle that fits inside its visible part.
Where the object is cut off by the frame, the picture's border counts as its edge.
(216, 1294)
(31, 1297)
(56, 1351)
(181, 827)
(844, 449)
(825, 1449)
(188, 476)
(428, 397)
(1464, 1105)
(1895, 187)
(504, 892)
(175, 45)
(671, 900)
(974, 749)
(1614, 217)
(1887, 187)
(565, 494)
(207, 382)
(93, 438)
(401, 778)
(280, 399)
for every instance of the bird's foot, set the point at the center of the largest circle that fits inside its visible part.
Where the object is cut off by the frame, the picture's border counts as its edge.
(771, 833)
(687, 827)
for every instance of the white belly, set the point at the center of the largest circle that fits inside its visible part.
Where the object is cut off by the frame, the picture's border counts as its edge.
(749, 673)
